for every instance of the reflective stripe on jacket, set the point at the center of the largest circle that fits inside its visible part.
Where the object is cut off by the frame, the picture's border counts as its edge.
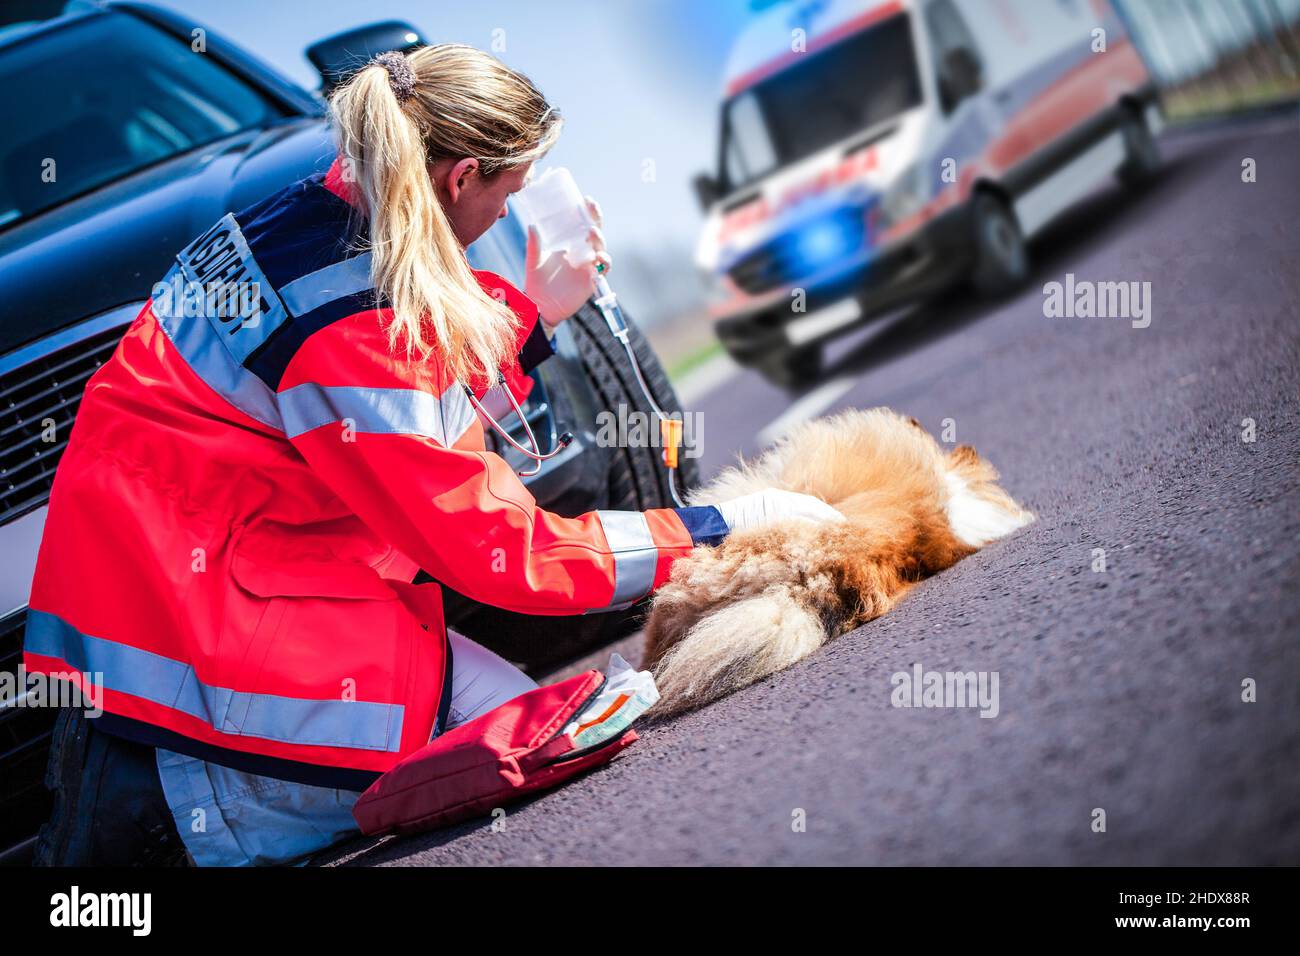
(247, 496)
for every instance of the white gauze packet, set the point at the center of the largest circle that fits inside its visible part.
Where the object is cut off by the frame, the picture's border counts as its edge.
(628, 693)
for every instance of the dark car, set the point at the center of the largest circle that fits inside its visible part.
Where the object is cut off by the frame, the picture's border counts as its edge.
(128, 131)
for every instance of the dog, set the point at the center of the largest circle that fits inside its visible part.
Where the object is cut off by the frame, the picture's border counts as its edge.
(768, 597)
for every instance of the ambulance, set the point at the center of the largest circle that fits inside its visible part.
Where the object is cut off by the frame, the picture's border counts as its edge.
(872, 154)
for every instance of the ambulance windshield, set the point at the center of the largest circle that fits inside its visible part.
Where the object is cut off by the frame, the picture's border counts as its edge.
(823, 97)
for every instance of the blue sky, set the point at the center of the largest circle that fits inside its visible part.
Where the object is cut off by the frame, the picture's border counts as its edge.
(637, 80)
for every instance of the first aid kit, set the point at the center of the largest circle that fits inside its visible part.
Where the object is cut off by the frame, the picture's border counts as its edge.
(531, 743)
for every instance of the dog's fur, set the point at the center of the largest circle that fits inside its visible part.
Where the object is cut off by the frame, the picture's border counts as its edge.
(765, 598)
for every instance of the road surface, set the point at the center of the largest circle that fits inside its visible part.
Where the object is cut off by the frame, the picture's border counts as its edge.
(1118, 690)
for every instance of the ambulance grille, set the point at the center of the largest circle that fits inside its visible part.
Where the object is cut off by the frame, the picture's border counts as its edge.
(24, 749)
(759, 272)
(38, 402)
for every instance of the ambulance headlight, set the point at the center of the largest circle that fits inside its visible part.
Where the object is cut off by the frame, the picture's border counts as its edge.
(906, 197)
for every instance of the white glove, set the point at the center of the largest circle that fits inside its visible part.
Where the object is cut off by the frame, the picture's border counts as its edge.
(771, 505)
(557, 285)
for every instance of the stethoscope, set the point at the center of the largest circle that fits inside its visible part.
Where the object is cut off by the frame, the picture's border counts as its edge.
(536, 454)
(607, 303)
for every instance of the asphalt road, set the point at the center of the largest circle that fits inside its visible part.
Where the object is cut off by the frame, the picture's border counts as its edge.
(1119, 690)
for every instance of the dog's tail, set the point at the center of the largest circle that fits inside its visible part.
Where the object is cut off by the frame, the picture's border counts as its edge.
(734, 646)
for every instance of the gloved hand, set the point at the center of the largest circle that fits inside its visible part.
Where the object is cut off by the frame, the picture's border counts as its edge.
(771, 505)
(557, 285)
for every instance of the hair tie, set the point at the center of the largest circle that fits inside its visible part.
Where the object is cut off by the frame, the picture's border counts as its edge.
(401, 78)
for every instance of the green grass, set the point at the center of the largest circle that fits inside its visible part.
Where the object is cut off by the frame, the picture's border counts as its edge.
(680, 365)
(1199, 101)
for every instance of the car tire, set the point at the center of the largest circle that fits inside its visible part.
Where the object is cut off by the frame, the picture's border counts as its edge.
(793, 367)
(1141, 152)
(1001, 257)
(638, 481)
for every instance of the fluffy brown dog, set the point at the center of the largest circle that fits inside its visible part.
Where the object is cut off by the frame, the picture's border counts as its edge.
(766, 598)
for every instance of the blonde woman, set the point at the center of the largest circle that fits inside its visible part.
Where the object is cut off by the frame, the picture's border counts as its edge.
(249, 493)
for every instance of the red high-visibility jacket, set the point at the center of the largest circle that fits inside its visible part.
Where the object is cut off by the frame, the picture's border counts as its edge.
(248, 494)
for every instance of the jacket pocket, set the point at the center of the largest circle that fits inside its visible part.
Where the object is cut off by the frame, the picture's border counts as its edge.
(325, 579)
(330, 633)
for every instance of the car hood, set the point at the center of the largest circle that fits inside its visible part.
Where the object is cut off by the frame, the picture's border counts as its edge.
(107, 248)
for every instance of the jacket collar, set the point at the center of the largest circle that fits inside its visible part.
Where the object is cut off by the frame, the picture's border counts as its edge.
(340, 186)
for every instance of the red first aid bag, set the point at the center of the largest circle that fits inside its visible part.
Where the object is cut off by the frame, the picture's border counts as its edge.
(503, 755)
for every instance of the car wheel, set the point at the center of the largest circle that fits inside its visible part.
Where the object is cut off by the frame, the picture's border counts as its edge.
(1141, 153)
(792, 368)
(1001, 259)
(637, 480)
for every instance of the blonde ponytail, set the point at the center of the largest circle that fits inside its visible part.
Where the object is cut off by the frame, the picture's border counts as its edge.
(462, 103)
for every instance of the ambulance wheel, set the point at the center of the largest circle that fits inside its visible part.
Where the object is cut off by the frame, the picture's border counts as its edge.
(1001, 259)
(792, 368)
(637, 480)
(1141, 153)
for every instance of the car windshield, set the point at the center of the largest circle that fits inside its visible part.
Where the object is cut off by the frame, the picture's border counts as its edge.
(101, 96)
(859, 82)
